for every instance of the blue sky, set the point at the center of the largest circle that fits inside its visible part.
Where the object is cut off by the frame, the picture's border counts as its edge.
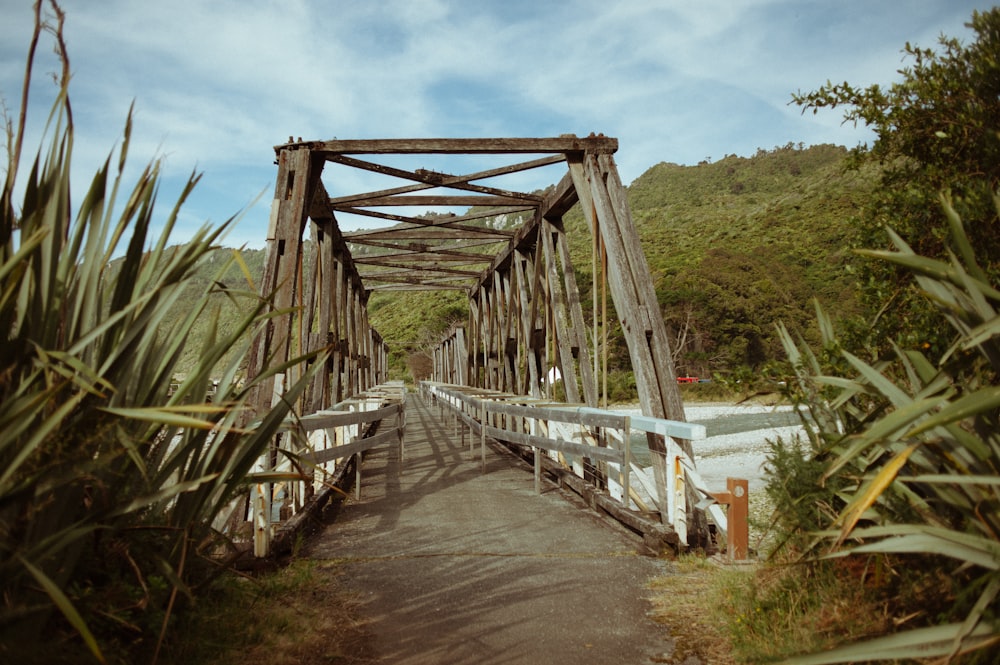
(217, 84)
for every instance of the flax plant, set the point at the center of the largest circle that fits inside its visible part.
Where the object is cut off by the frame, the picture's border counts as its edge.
(911, 448)
(109, 482)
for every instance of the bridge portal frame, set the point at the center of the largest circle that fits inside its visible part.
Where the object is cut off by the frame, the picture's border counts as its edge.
(525, 309)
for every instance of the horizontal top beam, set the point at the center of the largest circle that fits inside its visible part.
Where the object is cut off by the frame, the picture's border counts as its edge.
(562, 144)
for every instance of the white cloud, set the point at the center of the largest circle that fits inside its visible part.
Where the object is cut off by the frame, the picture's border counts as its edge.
(216, 85)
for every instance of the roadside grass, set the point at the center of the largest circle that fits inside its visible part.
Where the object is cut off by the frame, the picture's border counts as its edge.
(683, 601)
(723, 614)
(298, 614)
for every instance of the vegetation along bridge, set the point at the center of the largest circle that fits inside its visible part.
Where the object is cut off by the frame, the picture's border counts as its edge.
(494, 376)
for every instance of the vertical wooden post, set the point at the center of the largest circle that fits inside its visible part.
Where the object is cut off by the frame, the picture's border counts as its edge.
(482, 433)
(537, 455)
(282, 260)
(603, 202)
(737, 497)
(295, 185)
(578, 339)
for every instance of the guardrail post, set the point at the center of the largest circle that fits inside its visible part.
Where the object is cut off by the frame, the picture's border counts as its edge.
(401, 429)
(737, 497)
(482, 433)
(538, 468)
(262, 520)
(627, 464)
(357, 476)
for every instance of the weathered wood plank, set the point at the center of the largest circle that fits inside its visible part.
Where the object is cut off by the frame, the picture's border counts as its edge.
(429, 201)
(356, 446)
(427, 180)
(560, 315)
(422, 252)
(478, 175)
(563, 144)
(328, 419)
(421, 268)
(561, 414)
(561, 445)
(577, 328)
(417, 287)
(425, 233)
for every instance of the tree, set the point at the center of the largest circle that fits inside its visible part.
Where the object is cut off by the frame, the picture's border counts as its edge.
(936, 130)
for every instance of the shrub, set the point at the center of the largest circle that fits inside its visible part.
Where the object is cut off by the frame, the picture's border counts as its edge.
(909, 454)
(113, 489)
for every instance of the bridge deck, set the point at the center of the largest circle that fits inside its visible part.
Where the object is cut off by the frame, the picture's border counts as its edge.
(456, 566)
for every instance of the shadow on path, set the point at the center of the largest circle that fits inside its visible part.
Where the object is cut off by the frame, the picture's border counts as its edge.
(452, 565)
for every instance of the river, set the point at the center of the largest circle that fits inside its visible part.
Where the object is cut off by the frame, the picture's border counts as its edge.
(736, 443)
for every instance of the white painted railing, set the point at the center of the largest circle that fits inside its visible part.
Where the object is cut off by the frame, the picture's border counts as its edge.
(569, 434)
(314, 447)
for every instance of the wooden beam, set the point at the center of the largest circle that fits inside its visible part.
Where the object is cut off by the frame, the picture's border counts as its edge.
(478, 175)
(457, 221)
(430, 201)
(559, 201)
(423, 257)
(562, 144)
(424, 233)
(412, 278)
(418, 268)
(427, 180)
(451, 250)
(416, 287)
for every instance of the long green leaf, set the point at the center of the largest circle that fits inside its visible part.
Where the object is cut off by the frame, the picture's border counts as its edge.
(60, 600)
(987, 556)
(163, 494)
(981, 401)
(872, 490)
(165, 416)
(917, 643)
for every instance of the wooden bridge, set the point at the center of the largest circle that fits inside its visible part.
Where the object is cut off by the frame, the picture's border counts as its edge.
(526, 320)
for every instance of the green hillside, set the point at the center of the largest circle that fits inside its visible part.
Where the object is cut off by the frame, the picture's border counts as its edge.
(737, 245)
(734, 247)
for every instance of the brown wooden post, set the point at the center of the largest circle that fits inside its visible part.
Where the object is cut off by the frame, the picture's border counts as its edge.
(598, 186)
(737, 497)
(282, 260)
(577, 328)
(295, 185)
(530, 355)
(461, 357)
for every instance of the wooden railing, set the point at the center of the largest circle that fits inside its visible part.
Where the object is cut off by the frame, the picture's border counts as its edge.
(570, 438)
(314, 450)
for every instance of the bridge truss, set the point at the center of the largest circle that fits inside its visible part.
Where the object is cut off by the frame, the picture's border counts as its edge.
(525, 306)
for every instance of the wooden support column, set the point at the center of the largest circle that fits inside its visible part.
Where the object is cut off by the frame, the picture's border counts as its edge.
(603, 201)
(294, 186)
(461, 356)
(577, 328)
(536, 317)
(533, 387)
(336, 298)
(351, 340)
(567, 317)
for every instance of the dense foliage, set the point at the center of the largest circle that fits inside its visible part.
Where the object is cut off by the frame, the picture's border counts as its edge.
(738, 245)
(936, 130)
(113, 487)
(902, 468)
(894, 492)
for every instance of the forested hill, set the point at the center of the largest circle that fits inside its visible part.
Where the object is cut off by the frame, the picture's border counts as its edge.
(734, 245)
(741, 243)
